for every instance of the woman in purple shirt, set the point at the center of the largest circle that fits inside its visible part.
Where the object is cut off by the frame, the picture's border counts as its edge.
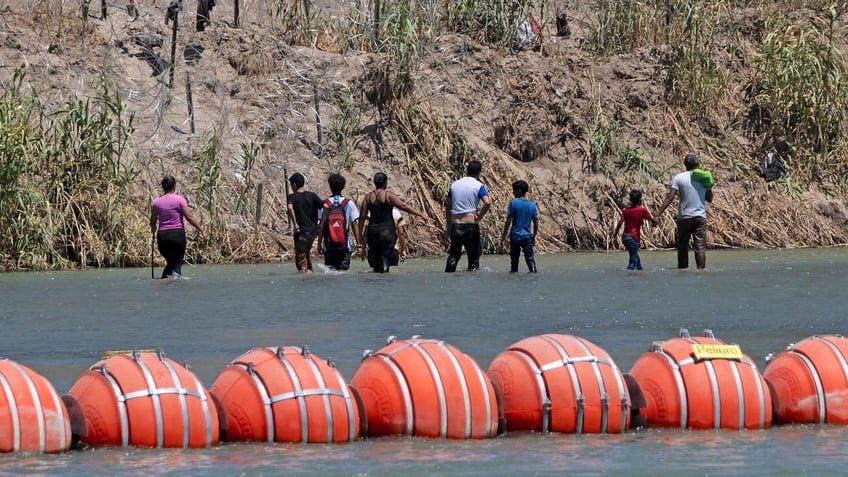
(168, 210)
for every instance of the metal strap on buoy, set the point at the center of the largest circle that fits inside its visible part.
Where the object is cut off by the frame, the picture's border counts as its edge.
(183, 392)
(543, 389)
(408, 410)
(263, 391)
(822, 402)
(437, 381)
(622, 391)
(299, 394)
(678, 383)
(761, 392)
(569, 363)
(714, 390)
(120, 400)
(153, 392)
(348, 399)
(481, 379)
(13, 413)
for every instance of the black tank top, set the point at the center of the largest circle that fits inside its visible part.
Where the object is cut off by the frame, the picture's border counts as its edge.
(380, 213)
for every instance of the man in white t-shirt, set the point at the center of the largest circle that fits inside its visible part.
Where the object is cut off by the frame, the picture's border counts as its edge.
(464, 216)
(691, 213)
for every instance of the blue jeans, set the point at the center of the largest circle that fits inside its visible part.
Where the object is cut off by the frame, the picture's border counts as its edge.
(632, 246)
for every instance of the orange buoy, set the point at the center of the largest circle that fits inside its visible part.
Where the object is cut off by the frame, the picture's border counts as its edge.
(286, 394)
(145, 399)
(560, 383)
(32, 415)
(702, 383)
(426, 388)
(809, 381)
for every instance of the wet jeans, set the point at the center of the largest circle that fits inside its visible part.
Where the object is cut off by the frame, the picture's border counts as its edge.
(632, 247)
(516, 246)
(467, 236)
(694, 228)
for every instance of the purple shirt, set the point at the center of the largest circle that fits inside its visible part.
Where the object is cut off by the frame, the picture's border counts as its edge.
(169, 207)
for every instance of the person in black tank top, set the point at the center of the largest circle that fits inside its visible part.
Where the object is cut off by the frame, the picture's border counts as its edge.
(380, 235)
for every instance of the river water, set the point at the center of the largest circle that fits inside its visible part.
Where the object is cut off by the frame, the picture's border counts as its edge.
(59, 323)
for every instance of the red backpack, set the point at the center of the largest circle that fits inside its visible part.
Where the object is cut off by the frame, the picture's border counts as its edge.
(335, 227)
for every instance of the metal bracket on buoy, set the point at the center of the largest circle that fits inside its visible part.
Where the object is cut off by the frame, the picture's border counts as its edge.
(304, 350)
(769, 357)
(546, 415)
(391, 339)
(708, 333)
(331, 362)
(683, 333)
(367, 353)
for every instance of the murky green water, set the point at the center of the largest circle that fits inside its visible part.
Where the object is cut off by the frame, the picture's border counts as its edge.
(59, 323)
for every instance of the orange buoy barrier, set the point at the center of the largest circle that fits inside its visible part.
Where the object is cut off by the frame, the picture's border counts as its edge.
(426, 388)
(33, 417)
(809, 381)
(702, 383)
(286, 394)
(145, 399)
(560, 383)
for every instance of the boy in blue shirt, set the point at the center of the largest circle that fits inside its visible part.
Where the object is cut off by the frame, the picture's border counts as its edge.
(519, 214)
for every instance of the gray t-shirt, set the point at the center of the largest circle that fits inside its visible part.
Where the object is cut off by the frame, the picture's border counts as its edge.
(693, 196)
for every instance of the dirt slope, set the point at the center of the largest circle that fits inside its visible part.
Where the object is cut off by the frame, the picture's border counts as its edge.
(528, 114)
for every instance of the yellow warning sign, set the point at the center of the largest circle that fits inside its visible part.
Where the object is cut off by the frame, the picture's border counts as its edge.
(715, 351)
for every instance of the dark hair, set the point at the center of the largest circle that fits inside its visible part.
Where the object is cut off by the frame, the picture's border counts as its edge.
(473, 168)
(297, 180)
(169, 183)
(521, 187)
(380, 180)
(635, 197)
(337, 183)
(691, 161)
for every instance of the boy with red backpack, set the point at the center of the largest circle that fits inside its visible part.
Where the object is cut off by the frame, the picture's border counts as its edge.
(337, 218)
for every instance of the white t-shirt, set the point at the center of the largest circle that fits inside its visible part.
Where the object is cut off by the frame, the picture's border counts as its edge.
(693, 196)
(465, 194)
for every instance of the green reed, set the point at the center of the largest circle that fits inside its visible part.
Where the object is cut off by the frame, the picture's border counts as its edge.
(801, 86)
(65, 195)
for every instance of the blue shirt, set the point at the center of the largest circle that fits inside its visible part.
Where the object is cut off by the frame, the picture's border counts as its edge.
(522, 212)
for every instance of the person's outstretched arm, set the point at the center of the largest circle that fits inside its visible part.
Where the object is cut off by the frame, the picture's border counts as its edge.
(667, 201)
(194, 223)
(400, 204)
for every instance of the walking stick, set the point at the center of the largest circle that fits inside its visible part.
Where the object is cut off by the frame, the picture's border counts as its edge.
(152, 247)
